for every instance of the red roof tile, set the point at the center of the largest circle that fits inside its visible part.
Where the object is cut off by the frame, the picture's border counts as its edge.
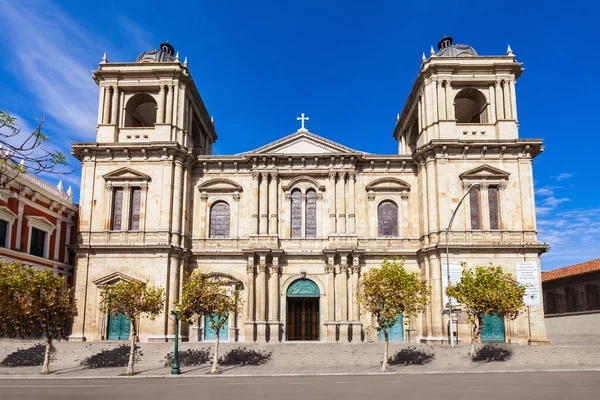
(572, 270)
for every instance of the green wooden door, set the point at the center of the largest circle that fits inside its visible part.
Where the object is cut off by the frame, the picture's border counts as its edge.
(119, 327)
(493, 329)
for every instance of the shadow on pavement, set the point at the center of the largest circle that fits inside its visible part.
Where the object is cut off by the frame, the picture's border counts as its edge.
(117, 357)
(28, 357)
(189, 357)
(491, 352)
(411, 356)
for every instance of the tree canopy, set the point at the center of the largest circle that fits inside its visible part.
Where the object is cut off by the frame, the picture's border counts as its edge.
(390, 291)
(487, 290)
(204, 295)
(132, 298)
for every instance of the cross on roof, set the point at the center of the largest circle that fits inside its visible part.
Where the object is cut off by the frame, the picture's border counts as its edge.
(302, 118)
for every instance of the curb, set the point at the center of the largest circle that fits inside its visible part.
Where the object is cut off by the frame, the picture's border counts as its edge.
(208, 376)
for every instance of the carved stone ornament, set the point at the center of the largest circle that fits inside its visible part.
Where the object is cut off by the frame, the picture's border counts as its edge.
(255, 175)
(343, 269)
(331, 175)
(250, 268)
(108, 186)
(264, 175)
(329, 269)
(356, 269)
(288, 197)
(319, 196)
(144, 187)
(404, 196)
(263, 268)
(236, 196)
(502, 185)
(204, 196)
(275, 269)
(371, 196)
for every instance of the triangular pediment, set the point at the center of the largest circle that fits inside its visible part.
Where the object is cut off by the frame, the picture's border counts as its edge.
(114, 278)
(220, 185)
(303, 142)
(126, 174)
(485, 172)
(387, 185)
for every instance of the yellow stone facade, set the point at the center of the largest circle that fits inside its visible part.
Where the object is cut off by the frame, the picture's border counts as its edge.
(155, 134)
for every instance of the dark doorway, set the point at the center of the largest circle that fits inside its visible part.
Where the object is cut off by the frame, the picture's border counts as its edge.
(302, 318)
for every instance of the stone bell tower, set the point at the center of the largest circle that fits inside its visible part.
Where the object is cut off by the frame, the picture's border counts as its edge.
(460, 126)
(136, 183)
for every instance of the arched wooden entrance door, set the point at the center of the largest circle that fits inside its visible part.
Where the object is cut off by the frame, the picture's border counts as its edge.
(303, 310)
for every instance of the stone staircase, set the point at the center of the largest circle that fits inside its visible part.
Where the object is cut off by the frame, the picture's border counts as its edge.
(302, 357)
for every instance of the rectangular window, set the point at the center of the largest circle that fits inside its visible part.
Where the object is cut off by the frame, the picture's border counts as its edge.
(475, 213)
(134, 210)
(494, 208)
(117, 209)
(38, 242)
(3, 233)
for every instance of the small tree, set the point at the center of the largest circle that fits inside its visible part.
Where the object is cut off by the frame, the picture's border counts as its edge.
(34, 304)
(132, 299)
(390, 291)
(206, 296)
(18, 150)
(14, 281)
(485, 290)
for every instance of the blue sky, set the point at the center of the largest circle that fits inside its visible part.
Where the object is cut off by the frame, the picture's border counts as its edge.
(348, 65)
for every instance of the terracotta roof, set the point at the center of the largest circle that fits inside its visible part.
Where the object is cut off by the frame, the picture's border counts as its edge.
(572, 270)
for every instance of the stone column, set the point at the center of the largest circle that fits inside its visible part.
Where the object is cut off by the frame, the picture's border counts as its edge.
(449, 100)
(356, 324)
(340, 202)
(274, 324)
(114, 120)
(343, 301)
(441, 100)
(177, 200)
(169, 110)
(506, 94)
(420, 114)
(106, 113)
(432, 201)
(581, 297)
(254, 224)
(172, 294)
(331, 202)
(160, 113)
(499, 106)
(101, 105)
(263, 203)
(513, 99)
(351, 203)
(249, 326)
(273, 211)
(261, 306)
(203, 211)
(331, 325)
(67, 241)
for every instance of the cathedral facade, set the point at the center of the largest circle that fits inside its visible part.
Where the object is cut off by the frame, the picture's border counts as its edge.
(294, 224)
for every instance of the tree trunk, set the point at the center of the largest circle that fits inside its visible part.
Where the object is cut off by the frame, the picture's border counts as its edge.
(214, 369)
(131, 349)
(475, 335)
(46, 365)
(386, 345)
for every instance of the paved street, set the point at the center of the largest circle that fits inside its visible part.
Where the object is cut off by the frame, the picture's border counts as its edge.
(530, 386)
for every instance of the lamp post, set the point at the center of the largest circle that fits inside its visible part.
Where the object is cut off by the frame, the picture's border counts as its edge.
(450, 324)
(175, 366)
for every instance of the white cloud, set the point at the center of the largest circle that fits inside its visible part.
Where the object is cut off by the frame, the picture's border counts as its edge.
(572, 236)
(545, 191)
(563, 176)
(52, 59)
(553, 201)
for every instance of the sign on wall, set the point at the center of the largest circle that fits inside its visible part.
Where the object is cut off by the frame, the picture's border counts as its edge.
(527, 274)
(455, 273)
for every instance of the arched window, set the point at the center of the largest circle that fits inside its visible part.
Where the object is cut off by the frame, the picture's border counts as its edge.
(296, 214)
(570, 299)
(387, 219)
(311, 214)
(550, 303)
(140, 111)
(470, 107)
(593, 297)
(219, 220)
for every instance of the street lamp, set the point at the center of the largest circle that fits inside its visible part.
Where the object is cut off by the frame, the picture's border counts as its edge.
(450, 324)
(175, 366)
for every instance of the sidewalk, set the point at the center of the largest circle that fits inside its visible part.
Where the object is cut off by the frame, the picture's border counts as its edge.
(104, 360)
